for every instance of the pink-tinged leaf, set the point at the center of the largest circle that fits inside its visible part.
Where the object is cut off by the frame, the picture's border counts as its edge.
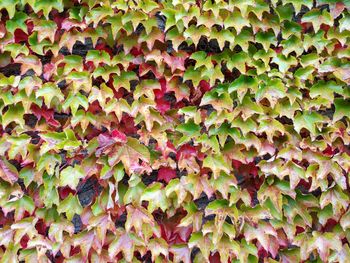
(29, 62)
(175, 62)
(337, 9)
(68, 24)
(2, 30)
(181, 253)
(8, 172)
(166, 174)
(49, 70)
(104, 141)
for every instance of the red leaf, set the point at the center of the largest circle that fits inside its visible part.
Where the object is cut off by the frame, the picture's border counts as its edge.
(65, 191)
(47, 114)
(204, 86)
(159, 93)
(331, 223)
(166, 174)
(20, 36)
(74, 251)
(30, 26)
(163, 105)
(24, 241)
(299, 230)
(136, 52)
(186, 151)
(95, 107)
(325, 27)
(89, 66)
(104, 47)
(172, 233)
(262, 253)
(169, 148)
(58, 18)
(119, 136)
(337, 9)
(329, 151)
(41, 227)
(214, 258)
(127, 125)
(278, 50)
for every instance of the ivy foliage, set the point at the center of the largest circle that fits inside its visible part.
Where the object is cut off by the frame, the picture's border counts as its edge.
(174, 131)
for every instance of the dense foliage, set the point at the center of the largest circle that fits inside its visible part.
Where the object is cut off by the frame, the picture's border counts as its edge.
(174, 131)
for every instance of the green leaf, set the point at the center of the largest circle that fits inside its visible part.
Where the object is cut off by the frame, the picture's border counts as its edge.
(325, 90)
(70, 176)
(318, 17)
(155, 195)
(342, 109)
(217, 163)
(308, 121)
(17, 22)
(74, 101)
(49, 91)
(70, 206)
(13, 114)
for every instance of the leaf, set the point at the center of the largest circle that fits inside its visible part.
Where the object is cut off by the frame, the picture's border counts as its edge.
(74, 101)
(17, 22)
(137, 219)
(70, 206)
(129, 154)
(317, 18)
(125, 243)
(30, 62)
(323, 243)
(47, 5)
(70, 176)
(18, 146)
(217, 163)
(201, 241)
(158, 246)
(57, 228)
(155, 195)
(23, 227)
(181, 253)
(20, 205)
(197, 184)
(27, 174)
(8, 172)
(13, 114)
(10, 6)
(193, 217)
(263, 233)
(325, 90)
(166, 174)
(342, 108)
(307, 121)
(49, 91)
(124, 80)
(337, 198)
